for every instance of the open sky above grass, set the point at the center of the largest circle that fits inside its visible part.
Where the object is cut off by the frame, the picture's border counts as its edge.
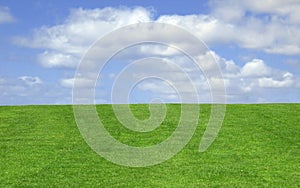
(255, 43)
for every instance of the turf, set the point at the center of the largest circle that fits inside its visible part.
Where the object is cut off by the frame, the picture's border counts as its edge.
(257, 146)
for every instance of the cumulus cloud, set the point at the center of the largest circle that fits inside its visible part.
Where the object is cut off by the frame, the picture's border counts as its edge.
(255, 68)
(276, 32)
(271, 35)
(270, 82)
(250, 81)
(5, 15)
(272, 27)
(206, 27)
(67, 42)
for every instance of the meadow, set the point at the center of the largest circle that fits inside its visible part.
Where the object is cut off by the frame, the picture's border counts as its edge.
(257, 146)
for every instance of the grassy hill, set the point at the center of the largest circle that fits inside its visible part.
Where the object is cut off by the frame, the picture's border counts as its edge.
(258, 145)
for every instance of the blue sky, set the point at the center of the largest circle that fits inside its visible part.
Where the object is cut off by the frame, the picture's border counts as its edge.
(255, 43)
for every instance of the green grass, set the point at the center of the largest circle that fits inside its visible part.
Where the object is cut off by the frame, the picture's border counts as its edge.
(257, 146)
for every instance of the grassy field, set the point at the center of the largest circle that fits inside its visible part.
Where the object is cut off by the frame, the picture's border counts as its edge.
(258, 145)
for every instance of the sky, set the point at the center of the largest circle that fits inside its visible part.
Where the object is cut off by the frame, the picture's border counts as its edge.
(255, 44)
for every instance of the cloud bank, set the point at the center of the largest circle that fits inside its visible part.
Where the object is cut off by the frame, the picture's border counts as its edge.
(271, 26)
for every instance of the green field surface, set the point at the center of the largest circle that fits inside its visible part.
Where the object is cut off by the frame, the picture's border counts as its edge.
(257, 146)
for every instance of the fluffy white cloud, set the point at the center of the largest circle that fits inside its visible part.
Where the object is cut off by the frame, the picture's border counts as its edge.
(83, 27)
(66, 43)
(270, 82)
(272, 36)
(206, 27)
(5, 15)
(255, 68)
(272, 27)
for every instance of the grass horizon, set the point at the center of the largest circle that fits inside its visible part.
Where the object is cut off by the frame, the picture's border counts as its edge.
(70, 104)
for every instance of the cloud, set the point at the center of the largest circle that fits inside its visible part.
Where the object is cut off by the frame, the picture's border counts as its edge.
(231, 10)
(5, 15)
(246, 83)
(157, 87)
(82, 27)
(67, 82)
(255, 68)
(81, 82)
(66, 43)
(271, 83)
(31, 90)
(57, 59)
(256, 73)
(158, 50)
(29, 80)
(276, 32)
(271, 27)
(206, 27)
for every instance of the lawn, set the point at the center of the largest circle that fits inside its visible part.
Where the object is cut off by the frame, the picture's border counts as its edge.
(257, 146)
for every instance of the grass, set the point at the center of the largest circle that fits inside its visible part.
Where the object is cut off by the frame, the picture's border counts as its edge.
(258, 146)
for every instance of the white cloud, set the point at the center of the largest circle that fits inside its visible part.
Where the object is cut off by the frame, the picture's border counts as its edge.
(270, 82)
(208, 61)
(235, 10)
(157, 87)
(56, 59)
(285, 49)
(81, 82)
(272, 27)
(29, 80)
(5, 15)
(255, 68)
(67, 82)
(31, 90)
(158, 50)
(83, 27)
(206, 27)
(286, 80)
(256, 74)
(66, 43)
(243, 83)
